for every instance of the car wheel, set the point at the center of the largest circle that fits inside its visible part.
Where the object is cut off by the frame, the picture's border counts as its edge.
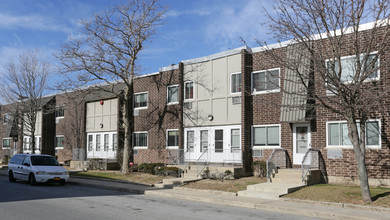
(31, 180)
(11, 176)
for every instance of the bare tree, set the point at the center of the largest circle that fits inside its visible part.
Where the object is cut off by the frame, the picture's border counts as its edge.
(109, 54)
(24, 86)
(324, 32)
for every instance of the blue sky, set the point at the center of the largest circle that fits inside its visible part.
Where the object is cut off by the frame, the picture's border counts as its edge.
(192, 29)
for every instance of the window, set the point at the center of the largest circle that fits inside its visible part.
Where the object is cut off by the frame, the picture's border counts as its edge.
(204, 140)
(190, 141)
(235, 83)
(90, 142)
(98, 141)
(141, 139)
(26, 143)
(173, 138)
(114, 142)
(265, 80)
(348, 67)
(337, 133)
(235, 140)
(60, 111)
(38, 142)
(6, 118)
(173, 94)
(218, 135)
(266, 136)
(141, 100)
(6, 143)
(189, 90)
(106, 139)
(60, 142)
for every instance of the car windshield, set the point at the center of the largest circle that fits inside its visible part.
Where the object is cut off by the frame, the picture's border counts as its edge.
(44, 161)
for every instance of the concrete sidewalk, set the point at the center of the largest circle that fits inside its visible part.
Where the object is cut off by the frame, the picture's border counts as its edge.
(306, 208)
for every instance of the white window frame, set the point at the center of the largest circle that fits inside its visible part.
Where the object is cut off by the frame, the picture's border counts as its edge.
(193, 90)
(58, 108)
(172, 147)
(147, 140)
(2, 144)
(231, 81)
(264, 91)
(350, 146)
(58, 136)
(147, 100)
(352, 56)
(258, 147)
(173, 103)
(4, 118)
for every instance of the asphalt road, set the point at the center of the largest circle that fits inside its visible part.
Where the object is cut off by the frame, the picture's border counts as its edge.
(21, 201)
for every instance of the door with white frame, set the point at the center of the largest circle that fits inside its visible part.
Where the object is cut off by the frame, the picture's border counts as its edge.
(220, 144)
(302, 142)
(102, 145)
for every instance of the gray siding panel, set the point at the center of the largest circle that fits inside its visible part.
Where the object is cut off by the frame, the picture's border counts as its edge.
(294, 99)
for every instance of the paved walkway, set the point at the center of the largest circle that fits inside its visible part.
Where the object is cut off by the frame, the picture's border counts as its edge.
(307, 208)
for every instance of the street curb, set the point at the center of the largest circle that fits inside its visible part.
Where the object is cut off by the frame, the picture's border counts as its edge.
(110, 180)
(338, 204)
(136, 191)
(205, 190)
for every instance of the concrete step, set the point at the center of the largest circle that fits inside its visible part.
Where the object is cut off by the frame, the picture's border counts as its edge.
(282, 188)
(289, 171)
(283, 180)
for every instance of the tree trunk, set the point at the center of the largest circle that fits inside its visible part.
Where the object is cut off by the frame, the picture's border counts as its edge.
(128, 127)
(363, 177)
(32, 143)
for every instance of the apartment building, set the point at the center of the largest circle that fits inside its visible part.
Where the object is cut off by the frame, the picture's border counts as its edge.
(226, 109)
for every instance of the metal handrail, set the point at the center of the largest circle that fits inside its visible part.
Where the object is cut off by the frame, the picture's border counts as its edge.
(305, 171)
(197, 163)
(271, 166)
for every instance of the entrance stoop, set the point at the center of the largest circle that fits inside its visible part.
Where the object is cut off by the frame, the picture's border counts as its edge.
(285, 181)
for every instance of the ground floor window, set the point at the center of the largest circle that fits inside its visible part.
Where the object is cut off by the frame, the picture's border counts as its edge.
(6, 143)
(60, 142)
(173, 138)
(141, 139)
(337, 134)
(26, 143)
(266, 136)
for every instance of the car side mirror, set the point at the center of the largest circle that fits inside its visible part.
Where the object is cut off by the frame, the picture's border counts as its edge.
(26, 164)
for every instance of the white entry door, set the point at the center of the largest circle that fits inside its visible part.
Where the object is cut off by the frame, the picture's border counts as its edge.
(302, 142)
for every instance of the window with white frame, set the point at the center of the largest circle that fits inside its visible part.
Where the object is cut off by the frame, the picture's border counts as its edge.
(173, 94)
(141, 100)
(38, 142)
(26, 143)
(114, 142)
(190, 141)
(348, 67)
(172, 138)
(140, 139)
(60, 111)
(266, 80)
(189, 90)
(266, 136)
(59, 141)
(106, 142)
(235, 140)
(98, 142)
(6, 143)
(90, 142)
(6, 118)
(337, 134)
(235, 83)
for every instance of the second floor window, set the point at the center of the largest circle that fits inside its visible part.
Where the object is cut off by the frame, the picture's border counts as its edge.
(141, 100)
(189, 90)
(265, 80)
(235, 83)
(60, 111)
(173, 94)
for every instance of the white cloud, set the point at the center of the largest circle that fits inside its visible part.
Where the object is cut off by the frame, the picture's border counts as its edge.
(229, 24)
(200, 12)
(32, 22)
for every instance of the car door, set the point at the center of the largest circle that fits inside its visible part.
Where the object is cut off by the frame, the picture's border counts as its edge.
(25, 168)
(16, 165)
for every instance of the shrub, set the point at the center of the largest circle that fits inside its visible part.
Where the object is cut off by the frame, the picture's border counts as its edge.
(149, 167)
(166, 171)
(5, 159)
(260, 168)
